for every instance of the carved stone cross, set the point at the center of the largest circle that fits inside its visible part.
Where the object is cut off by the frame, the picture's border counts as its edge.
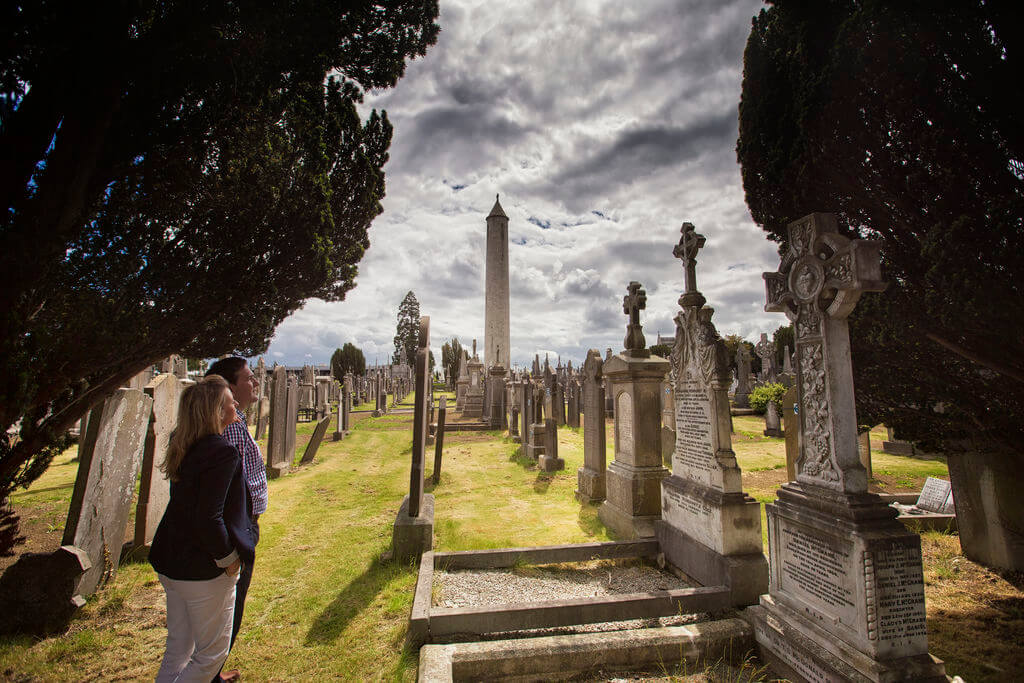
(634, 302)
(690, 242)
(817, 285)
(766, 352)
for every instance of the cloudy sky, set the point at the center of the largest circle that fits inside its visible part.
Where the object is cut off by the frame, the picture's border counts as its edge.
(604, 126)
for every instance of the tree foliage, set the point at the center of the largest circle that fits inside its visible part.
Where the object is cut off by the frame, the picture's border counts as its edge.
(177, 178)
(903, 120)
(347, 359)
(407, 331)
(783, 338)
(451, 354)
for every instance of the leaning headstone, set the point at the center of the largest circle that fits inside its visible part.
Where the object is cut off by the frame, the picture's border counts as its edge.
(435, 477)
(710, 529)
(864, 451)
(590, 479)
(633, 483)
(154, 488)
(847, 586)
(413, 532)
(278, 460)
(105, 484)
(936, 496)
(314, 442)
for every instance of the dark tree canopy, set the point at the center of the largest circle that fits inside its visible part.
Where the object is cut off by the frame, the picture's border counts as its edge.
(903, 119)
(783, 338)
(347, 359)
(407, 331)
(177, 177)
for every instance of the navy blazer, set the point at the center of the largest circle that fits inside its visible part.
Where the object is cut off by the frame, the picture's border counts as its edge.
(206, 524)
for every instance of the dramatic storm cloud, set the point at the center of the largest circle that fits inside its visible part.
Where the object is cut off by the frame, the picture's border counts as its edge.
(604, 126)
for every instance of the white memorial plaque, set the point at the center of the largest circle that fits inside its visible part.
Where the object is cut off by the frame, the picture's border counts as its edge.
(693, 457)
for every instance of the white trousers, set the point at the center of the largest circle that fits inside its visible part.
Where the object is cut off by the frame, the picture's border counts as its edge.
(199, 618)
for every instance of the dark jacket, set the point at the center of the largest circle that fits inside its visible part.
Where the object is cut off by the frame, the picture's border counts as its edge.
(207, 517)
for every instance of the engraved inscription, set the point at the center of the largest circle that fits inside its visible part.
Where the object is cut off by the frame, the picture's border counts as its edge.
(818, 569)
(898, 591)
(686, 504)
(624, 424)
(799, 660)
(694, 449)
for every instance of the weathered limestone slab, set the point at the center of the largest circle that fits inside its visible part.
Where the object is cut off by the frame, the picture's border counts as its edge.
(413, 531)
(590, 479)
(154, 488)
(278, 460)
(262, 415)
(314, 442)
(105, 484)
(989, 509)
(549, 461)
(442, 411)
(772, 425)
(847, 586)
(573, 418)
(496, 389)
(633, 483)
(710, 528)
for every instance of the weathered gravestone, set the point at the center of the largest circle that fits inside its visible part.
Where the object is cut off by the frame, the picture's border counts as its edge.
(413, 532)
(435, 476)
(262, 414)
(772, 424)
(154, 488)
(573, 418)
(462, 383)
(536, 427)
(668, 421)
(590, 479)
(314, 442)
(496, 389)
(633, 479)
(792, 433)
(742, 396)
(549, 460)
(278, 457)
(473, 404)
(936, 496)
(864, 451)
(765, 350)
(709, 528)
(175, 365)
(847, 586)
(105, 484)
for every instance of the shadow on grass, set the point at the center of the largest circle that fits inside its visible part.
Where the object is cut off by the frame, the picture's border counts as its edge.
(542, 482)
(588, 520)
(351, 601)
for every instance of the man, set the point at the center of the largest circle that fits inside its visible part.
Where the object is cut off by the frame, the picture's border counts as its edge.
(244, 386)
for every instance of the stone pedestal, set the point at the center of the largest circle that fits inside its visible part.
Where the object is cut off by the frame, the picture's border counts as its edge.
(473, 404)
(413, 536)
(633, 483)
(847, 591)
(535, 444)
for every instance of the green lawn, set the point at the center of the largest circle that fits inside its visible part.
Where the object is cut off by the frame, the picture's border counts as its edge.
(322, 603)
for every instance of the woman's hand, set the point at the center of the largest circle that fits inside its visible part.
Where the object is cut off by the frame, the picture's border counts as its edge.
(233, 568)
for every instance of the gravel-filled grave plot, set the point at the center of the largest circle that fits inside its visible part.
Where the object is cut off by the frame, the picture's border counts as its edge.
(539, 583)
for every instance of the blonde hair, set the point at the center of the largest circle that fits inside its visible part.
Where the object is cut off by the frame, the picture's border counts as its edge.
(198, 416)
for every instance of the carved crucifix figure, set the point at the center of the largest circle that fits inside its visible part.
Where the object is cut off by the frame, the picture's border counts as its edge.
(634, 302)
(818, 283)
(690, 242)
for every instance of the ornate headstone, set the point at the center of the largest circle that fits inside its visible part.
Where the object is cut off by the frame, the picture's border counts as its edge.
(710, 529)
(847, 587)
(765, 350)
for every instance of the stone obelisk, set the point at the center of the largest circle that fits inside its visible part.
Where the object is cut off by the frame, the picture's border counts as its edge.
(496, 316)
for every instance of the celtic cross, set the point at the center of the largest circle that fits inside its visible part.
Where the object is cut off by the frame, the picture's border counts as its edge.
(690, 242)
(634, 302)
(817, 286)
(766, 352)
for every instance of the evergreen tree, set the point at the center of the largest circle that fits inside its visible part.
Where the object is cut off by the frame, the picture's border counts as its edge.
(347, 359)
(163, 168)
(407, 331)
(903, 120)
(451, 354)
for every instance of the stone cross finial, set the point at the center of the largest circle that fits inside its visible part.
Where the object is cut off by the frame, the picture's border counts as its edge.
(634, 302)
(690, 242)
(818, 283)
(474, 349)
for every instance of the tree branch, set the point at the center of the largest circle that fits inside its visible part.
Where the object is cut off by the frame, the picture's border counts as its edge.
(971, 355)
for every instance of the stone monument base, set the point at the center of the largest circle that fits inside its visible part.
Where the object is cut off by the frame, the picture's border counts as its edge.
(549, 464)
(633, 499)
(745, 575)
(413, 536)
(473, 406)
(589, 485)
(277, 470)
(799, 650)
(772, 431)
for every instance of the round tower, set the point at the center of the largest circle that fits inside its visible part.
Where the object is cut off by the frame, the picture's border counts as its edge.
(496, 310)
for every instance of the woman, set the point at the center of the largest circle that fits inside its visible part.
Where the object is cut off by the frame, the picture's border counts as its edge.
(204, 535)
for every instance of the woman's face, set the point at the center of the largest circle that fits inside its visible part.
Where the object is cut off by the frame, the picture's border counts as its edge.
(227, 409)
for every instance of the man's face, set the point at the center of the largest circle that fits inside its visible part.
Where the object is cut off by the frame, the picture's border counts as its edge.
(245, 388)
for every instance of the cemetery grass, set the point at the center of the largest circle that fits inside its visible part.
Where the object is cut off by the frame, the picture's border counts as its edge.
(324, 605)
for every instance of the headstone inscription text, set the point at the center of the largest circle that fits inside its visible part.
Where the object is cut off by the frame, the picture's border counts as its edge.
(694, 450)
(895, 577)
(817, 570)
